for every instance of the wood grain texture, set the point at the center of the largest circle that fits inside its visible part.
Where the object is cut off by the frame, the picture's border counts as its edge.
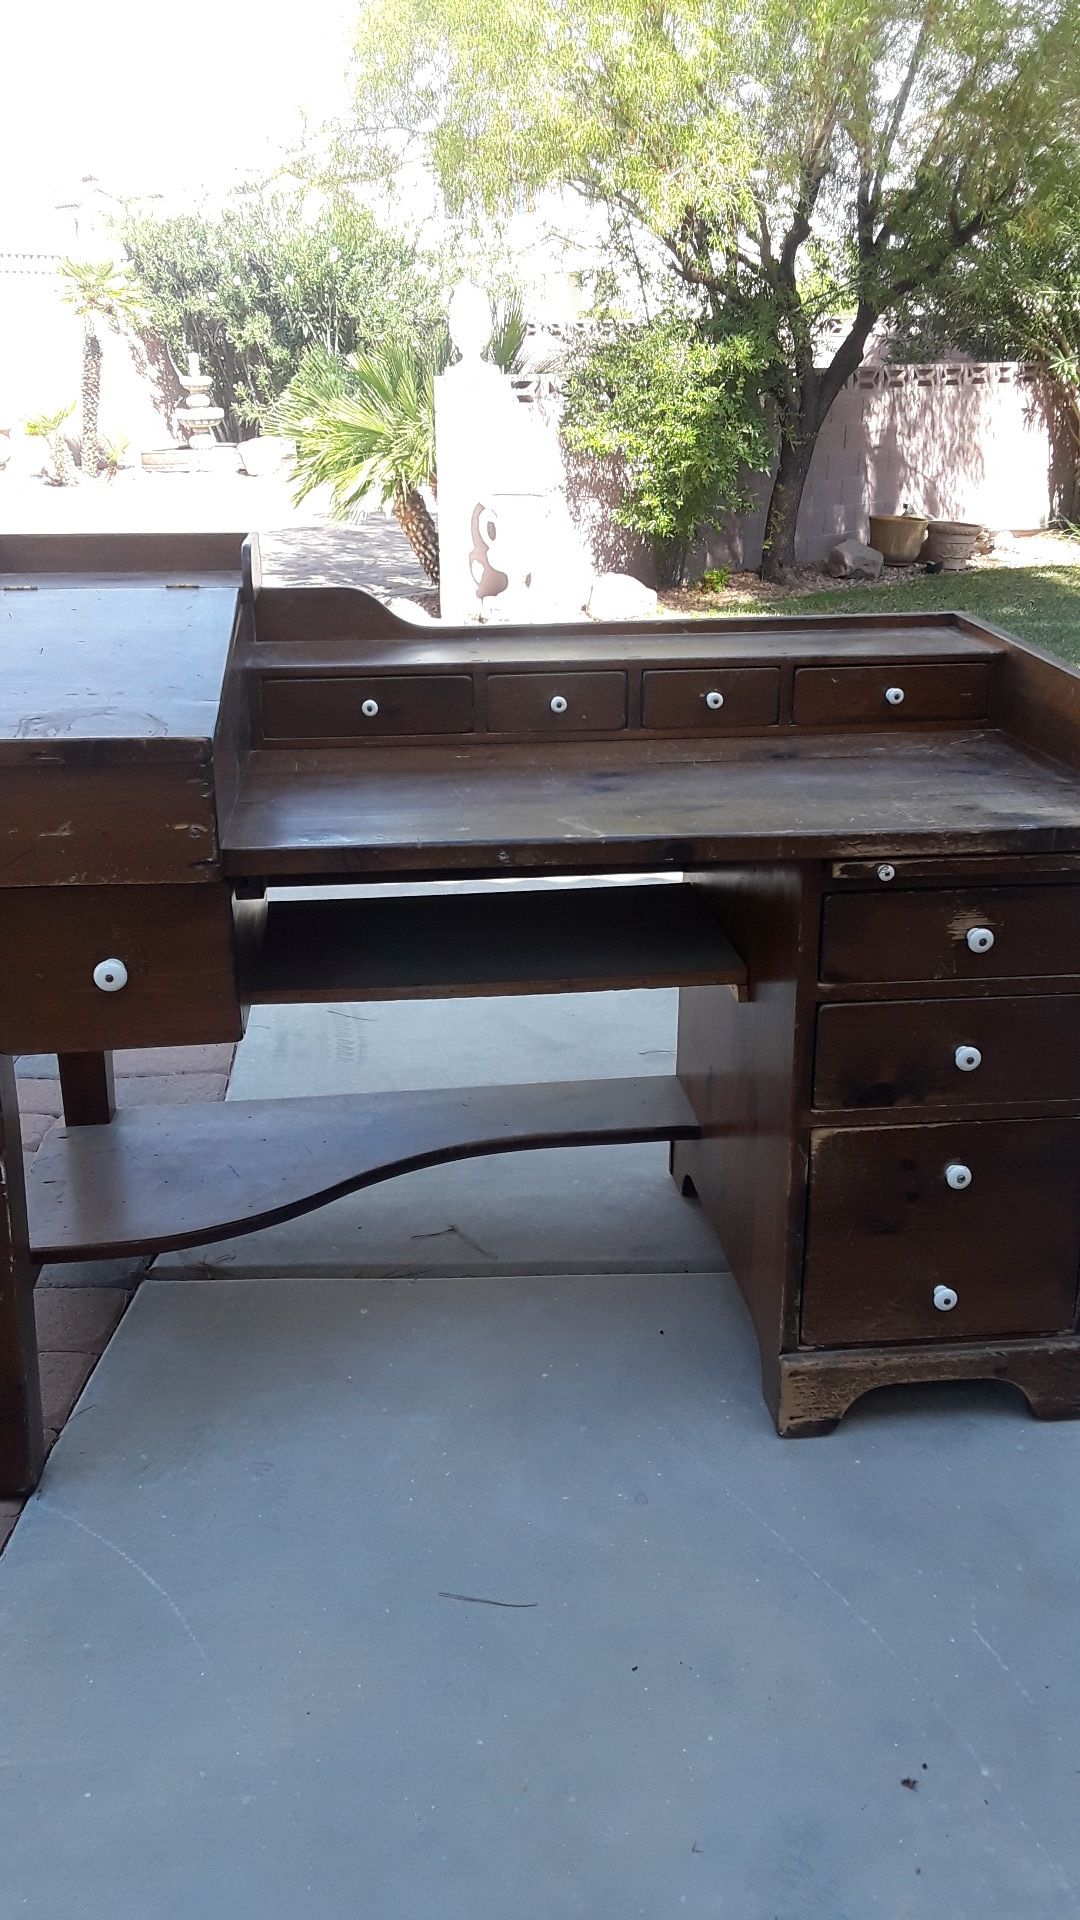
(574, 940)
(923, 935)
(161, 1177)
(884, 1229)
(644, 803)
(87, 1088)
(815, 1390)
(677, 702)
(332, 709)
(80, 817)
(22, 1438)
(896, 1054)
(520, 703)
(176, 943)
(176, 554)
(841, 696)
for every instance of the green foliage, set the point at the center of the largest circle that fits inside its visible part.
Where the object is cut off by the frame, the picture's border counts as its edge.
(680, 412)
(364, 425)
(50, 428)
(715, 579)
(257, 288)
(1016, 297)
(101, 290)
(800, 157)
(45, 426)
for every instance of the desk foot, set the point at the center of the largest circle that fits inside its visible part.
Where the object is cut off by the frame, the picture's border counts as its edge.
(22, 1436)
(679, 1171)
(811, 1392)
(86, 1088)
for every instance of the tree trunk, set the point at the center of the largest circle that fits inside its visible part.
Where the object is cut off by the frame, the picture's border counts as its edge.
(417, 525)
(91, 394)
(795, 455)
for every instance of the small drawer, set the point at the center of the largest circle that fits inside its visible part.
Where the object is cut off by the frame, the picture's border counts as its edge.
(948, 1053)
(967, 933)
(367, 707)
(962, 1232)
(728, 697)
(556, 703)
(163, 959)
(890, 695)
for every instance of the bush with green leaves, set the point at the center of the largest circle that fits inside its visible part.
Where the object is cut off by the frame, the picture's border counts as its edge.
(254, 289)
(679, 408)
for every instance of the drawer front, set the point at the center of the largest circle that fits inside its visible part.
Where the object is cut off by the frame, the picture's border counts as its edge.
(966, 933)
(887, 1232)
(845, 696)
(556, 703)
(732, 697)
(174, 943)
(367, 707)
(908, 1053)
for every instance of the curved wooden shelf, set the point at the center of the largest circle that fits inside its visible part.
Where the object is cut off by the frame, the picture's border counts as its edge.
(157, 1178)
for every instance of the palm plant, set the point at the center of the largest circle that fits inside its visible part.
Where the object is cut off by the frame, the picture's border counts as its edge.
(50, 428)
(364, 426)
(100, 293)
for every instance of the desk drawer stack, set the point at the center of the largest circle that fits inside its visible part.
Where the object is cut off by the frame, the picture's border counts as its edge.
(934, 1198)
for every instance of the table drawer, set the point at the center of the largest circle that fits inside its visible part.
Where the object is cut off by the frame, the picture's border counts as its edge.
(908, 1053)
(966, 933)
(730, 697)
(174, 943)
(556, 703)
(367, 706)
(987, 1211)
(845, 696)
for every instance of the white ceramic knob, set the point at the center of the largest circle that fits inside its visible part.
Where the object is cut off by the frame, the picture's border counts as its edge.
(369, 708)
(957, 1175)
(558, 703)
(944, 1299)
(979, 939)
(110, 975)
(714, 700)
(894, 696)
(967, 1059)
(886, 872)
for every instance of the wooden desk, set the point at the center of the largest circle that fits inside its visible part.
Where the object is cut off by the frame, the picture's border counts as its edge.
(875, 936)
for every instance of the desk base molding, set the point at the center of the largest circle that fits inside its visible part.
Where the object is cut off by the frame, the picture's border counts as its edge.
(811, 1392)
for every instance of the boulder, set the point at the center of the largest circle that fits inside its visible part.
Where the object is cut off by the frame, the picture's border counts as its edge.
(266, 456)
(851, 560)
(618, 596)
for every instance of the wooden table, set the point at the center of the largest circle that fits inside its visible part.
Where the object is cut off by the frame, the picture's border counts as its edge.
(875, 937)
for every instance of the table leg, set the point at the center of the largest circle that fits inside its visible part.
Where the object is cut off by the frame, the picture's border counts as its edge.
(86, 1087)
(22, 1438)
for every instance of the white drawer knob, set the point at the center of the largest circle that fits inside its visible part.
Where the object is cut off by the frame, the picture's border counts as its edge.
(886, 872)
(967, 1059)
(979, 939)
(957, 1175)
(715, 701)
(944, 1299)
(558, 703)
(369, 708)
(894, 696)
(110, 975)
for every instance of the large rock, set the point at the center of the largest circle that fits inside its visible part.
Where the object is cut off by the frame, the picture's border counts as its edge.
(851, 560)
(618, 596)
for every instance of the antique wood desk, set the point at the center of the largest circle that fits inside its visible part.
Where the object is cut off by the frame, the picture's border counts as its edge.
(876, 941)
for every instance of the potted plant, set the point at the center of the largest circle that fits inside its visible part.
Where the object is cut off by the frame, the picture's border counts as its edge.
(950, 544)
(898, 536)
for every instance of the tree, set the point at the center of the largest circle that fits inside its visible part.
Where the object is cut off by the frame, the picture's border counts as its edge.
(364, 425)
(784, 161)
(1015, 296)
(681, 414)
(101, 294)
(50, 428)
(254, 289)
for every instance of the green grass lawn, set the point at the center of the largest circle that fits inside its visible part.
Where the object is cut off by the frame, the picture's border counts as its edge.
(1041, 604)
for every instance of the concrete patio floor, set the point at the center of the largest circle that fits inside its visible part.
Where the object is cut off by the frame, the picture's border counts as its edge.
(433, 1557)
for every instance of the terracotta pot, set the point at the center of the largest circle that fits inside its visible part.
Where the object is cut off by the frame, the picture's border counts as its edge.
(950, 544)
(897, 536)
